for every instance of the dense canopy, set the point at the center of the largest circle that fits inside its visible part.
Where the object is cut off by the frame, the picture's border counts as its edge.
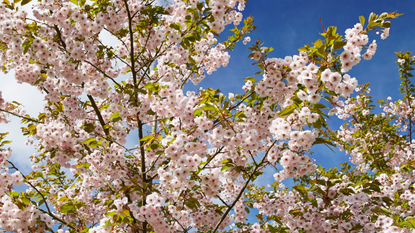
(197, 154)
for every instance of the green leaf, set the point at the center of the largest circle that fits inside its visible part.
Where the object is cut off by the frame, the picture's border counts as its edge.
(301, 189)
(226, 161)
(148, 85)
(317, 124)
(295, 212)
(386, 24)
(95, 144)
(185, 43)
(338, 45)
(26, 46)
(381, 210)
(147, 138)
(320, 106)
(372, 17)
(14, 194)
(383, 15)
(112, 213)
(323, 141)
(374, 187)
(32, 127)
(89, 140)
(208, 107)
(176, 26)
(74, 2)
(24, 2)
(393, 15)
(25, 201)
(387, 200)
(272, 229)
(240, 114)
(287, 111)
(346, 191)
(362, 20)
(189, 204)
(200, 6)
(89, 127)
(5, 142)
(153, 146)
(115, 116)
(252, 79)
(318, 43)
(227, 166)
(85, 230)
(411, 220)
(41, 202)
(85, 165)
(198, 112)
(67, 207)
(126, 212)
(406, 224)
(191, 38)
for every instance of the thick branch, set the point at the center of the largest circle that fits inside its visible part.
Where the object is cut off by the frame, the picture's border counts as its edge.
(60, 36)
(101, 120)
(143, 168)
(132, 58)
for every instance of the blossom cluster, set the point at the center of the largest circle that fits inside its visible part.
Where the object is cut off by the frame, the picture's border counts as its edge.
(194, 149)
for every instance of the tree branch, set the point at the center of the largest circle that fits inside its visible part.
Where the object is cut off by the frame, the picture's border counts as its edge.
(242, 190)
(43, 197)
(23, 117)
(101, 120)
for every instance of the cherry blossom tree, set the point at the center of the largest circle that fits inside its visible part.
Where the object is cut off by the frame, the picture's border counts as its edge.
(198, 153)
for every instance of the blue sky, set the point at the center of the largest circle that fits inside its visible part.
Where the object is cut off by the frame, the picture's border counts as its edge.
(289, 25)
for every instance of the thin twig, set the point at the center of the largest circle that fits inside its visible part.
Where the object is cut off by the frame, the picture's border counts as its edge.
(243, 189)
(43, 197)
(23, 117)
(222, 201)
(101, 120)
